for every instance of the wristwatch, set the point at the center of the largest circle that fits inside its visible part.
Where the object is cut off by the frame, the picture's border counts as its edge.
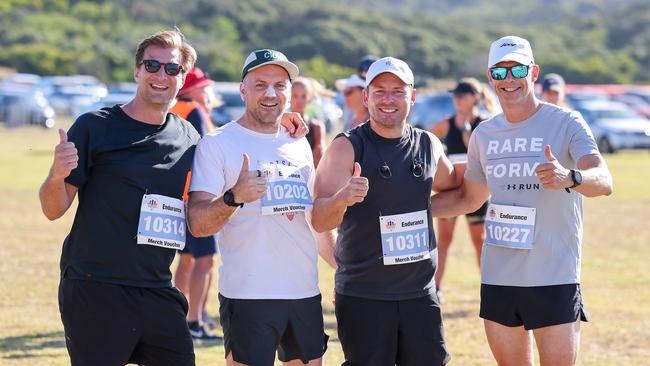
(576, 176)
(229, 199)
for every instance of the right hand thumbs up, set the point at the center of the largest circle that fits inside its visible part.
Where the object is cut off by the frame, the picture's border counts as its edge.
(66, 157)
(251, 185)
(244, 164)
(356, 189)
(357, 170)
(63, 136)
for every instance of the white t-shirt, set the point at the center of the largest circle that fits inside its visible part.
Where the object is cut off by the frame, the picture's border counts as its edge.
(272, 256)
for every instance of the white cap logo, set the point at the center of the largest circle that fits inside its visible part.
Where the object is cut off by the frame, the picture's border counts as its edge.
(511, 48)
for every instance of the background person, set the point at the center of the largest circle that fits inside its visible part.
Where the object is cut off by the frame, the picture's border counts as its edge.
(193, 275)
(455, 131)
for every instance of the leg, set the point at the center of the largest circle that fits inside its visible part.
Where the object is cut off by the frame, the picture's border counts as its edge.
(558, 344)
(445, 236)
(183, 273)
(317, 362)
(477, 233)
(198, 280)
(511, 346)
(231, 362)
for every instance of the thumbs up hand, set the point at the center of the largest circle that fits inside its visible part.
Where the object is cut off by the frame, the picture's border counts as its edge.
(251, 185)
(355, 190)
(552, 175)
(65, 157)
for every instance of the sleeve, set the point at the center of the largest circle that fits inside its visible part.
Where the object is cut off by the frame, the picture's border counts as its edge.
(79, 134)
(582, 139)
(197, 120)
(208, 170)
(475, 171)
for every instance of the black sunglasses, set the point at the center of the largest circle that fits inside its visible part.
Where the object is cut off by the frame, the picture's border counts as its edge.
(152, 66)
(517, 72)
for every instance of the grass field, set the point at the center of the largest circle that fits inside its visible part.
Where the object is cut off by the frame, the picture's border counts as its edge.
(616, 275)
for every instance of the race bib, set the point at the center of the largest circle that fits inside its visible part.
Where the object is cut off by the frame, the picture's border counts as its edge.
(405, 237)
(286, 191)
(510, 226)
(162, 222)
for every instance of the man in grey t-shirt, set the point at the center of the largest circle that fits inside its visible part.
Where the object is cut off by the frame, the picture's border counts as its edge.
(536, 160)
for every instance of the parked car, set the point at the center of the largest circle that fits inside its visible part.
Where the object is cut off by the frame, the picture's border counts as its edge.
(615, 126)
(20, 82)
(635, 102)
(233, 106)
(25, 107)
(71, 94)
(431, 109)
(108, 101)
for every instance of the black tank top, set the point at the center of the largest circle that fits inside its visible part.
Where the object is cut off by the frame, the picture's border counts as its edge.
(361, 270)
(454, 138)
(310, 134)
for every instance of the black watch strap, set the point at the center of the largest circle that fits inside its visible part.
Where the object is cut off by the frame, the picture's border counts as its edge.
(229, 199)
(576, 177)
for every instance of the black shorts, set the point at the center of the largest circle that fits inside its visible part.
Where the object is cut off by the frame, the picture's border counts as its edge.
(199, 247)
(385, 333)
(532, 307)
(478, 216)
(107, 324)
(254, 329)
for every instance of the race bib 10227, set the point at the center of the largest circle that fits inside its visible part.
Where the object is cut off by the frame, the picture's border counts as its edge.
(510, 226)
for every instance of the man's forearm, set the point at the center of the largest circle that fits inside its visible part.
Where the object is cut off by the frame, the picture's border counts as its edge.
(596, 182)
(327, 213)
(54, 198)
(326, 244)
(454, 202)
(206, 217)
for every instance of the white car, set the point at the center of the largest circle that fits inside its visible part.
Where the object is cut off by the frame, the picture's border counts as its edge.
(616, 126)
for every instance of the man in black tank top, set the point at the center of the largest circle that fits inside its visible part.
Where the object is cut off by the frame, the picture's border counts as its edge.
(374, 184)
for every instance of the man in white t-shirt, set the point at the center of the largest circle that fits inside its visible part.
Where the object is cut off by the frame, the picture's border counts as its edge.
(253, 182)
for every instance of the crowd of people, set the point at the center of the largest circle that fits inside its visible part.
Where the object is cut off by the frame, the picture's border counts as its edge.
(153, 177)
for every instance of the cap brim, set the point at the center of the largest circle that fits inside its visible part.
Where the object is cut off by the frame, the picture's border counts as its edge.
(407, 82)
(514, 56)
(291, 68)
(554, 87)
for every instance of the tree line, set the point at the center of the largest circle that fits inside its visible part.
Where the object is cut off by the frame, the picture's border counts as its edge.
(587, 41)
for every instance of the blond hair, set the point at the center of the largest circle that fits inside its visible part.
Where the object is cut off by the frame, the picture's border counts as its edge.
(172, 38)
(307, 84)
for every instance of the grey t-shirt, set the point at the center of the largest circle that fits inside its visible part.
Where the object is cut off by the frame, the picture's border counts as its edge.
(504, 155)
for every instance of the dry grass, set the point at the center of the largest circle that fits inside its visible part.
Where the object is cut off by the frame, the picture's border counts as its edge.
(615, 272)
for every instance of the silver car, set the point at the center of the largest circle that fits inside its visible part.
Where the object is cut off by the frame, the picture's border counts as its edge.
(615, 126)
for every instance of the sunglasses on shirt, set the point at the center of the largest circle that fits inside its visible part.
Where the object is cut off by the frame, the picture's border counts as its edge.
(152, 66)
(501, 72)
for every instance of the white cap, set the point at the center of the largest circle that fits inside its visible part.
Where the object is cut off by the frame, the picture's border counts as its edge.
(511, 48)
(352, 81)
(393, 65)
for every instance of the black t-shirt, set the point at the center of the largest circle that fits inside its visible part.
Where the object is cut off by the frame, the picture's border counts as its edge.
(121, 159)
(361, 271)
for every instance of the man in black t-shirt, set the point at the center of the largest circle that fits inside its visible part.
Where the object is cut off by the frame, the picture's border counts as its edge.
(128, 165)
